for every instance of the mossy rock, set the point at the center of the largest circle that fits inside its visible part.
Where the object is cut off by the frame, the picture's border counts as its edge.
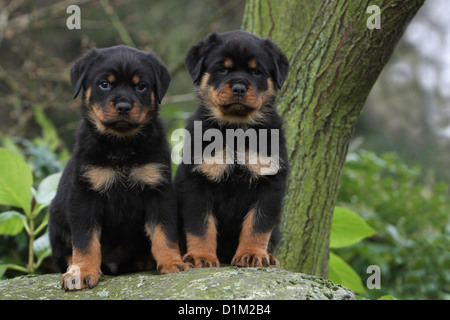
(225, 283)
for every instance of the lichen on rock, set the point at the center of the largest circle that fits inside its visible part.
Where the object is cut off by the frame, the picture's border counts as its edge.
(224, 283)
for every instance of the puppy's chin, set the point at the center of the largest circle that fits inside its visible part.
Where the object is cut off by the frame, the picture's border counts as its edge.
(121, 125)
(237, 109)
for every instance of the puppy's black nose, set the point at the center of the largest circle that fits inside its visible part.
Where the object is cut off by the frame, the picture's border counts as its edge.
(123, 108)
(238, 89)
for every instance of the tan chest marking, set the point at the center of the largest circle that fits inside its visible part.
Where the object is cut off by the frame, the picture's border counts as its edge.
(214, 168)
(258, 165)
(102, 179)
(151, 174)
(214, 172)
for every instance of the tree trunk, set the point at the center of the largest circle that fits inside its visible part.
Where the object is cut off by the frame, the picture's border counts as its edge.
(335, 59)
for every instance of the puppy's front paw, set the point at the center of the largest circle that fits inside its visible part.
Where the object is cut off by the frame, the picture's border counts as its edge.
(77, 278)
(201, 260)
(254, 259)
(173, 266)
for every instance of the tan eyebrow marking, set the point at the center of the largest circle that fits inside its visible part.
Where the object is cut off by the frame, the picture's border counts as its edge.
(228, 63)
(252, 64)
(111, 78)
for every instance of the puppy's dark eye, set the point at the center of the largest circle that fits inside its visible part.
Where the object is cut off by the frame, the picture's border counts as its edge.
(223, 70)
(141, 87)
(256, 72)
(104, 85)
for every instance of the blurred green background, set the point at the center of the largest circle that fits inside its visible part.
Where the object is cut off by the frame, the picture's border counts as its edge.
(397, 172)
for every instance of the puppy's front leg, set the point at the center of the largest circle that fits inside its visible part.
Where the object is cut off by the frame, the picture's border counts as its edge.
(253, 244)
(84, 272)
(162, 229)
(201, 247)
(165, 252)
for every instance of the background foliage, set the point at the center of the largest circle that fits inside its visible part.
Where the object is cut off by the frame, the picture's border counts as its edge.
(407, 206)
(409, 209)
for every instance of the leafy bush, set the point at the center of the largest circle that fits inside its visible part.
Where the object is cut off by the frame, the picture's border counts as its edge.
(347, 228)
(29, 173)
(16, 190)
(410, 212)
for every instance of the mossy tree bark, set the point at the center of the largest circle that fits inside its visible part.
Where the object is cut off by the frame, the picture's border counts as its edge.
(335, 59)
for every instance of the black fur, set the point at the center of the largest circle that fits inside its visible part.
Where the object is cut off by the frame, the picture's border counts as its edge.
(230, 199)
(118, 143)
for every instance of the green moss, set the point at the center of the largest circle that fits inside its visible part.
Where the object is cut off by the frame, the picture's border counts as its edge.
(225, 283)
(328, 295)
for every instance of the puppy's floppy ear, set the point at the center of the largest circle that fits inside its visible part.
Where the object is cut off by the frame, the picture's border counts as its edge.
(280, 61)
(162, 83)
(79, 70)
(195, 57)
(161, 78)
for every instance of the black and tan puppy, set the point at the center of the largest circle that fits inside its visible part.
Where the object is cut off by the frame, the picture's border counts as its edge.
(230, 187)
(115, 209)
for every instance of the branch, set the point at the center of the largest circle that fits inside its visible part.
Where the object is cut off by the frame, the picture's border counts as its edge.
(22, 22)
(205, 29)
(117, 24)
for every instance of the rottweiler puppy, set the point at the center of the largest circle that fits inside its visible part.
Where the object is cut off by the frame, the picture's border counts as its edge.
(232, 180)
(115, 208)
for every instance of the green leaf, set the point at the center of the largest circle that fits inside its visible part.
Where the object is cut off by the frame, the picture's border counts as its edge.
(3, 268)
(348, 228)
(11, 222)
(47, 189)
(341, 273)
(49, 133)
(8, 143)
(41, 246)
(15, 181)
